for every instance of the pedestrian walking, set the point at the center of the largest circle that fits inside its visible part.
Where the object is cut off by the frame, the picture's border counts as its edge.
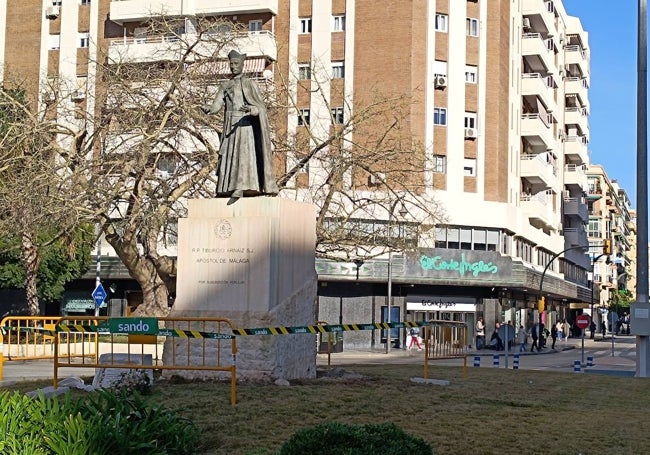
(553, 335)
(522, 336)
(480, 334)
(534, 334)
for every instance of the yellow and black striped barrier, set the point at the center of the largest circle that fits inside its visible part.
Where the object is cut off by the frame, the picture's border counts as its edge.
(327, 328)
(104, 329)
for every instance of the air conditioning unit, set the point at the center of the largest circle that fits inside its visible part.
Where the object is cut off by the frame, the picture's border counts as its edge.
(440, 81)
(78, 95)
(377, 178)
(52, 12)
(526, 24)
(471, 133)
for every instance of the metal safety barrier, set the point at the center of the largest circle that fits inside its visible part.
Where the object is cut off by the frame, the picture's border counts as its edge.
(445, 340)
(132, 343)
(32, 338)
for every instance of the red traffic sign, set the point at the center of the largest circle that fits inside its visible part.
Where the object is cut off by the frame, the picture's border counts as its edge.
(582, 321)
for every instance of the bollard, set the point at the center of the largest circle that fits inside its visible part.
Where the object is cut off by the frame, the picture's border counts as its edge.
(590, 361)
(495, 360)
(515, 362)
(576, 366)
(477, 361)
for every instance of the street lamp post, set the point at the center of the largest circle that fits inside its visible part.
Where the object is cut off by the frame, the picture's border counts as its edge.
(402, 212)
(540, 297)
(642, 340)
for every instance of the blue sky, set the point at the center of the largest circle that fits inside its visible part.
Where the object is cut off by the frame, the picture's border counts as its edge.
(612, 95)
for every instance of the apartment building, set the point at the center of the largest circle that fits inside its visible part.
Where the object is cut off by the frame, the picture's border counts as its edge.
(612, 239)
(498, 98)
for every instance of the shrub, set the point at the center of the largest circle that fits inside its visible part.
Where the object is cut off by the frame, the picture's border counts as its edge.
(332, 438)
(101, 423)
(132, 423)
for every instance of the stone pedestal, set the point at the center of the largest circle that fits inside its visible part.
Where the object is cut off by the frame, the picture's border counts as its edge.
(252, 262)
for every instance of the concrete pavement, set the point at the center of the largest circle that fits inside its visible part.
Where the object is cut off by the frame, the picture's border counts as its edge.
(19, 371)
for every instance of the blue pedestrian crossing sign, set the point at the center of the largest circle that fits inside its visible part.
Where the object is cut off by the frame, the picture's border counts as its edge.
(99, 295)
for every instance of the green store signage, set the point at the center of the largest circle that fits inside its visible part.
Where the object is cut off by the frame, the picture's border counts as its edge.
(462, 266)
(468, 265)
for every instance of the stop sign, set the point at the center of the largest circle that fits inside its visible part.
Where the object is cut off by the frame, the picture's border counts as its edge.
(582, 321)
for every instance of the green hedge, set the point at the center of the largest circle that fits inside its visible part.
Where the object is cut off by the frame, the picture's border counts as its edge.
(333, 438)
(104, 422)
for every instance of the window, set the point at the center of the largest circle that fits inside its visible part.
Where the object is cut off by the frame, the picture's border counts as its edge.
(85, 2)
(338, 70)
(439, 116)
(470, 74)
(469, 167)
(440, 68)
(84, 39)
(441, 23)
(305, 25)
(338, 23)
(56, 2)
(439, 164)
(54, 42)
(337, 115)
(304, 71)
(255, 26)
(303, 117)
(472, 27)
(470, 120)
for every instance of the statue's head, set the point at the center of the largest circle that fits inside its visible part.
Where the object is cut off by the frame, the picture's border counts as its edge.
(236, 62)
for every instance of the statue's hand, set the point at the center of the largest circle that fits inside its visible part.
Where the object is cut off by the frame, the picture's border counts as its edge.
(206, 109)
(250, 110)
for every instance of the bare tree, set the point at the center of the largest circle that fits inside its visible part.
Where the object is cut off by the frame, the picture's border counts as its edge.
(39, 200)
(146, 147)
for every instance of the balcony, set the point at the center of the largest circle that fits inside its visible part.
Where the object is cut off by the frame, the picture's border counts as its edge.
(575, 237)
(539, 209)
(575, 149)
(577, 116)
(170, 48)
(578, 86)
(575, 207)
(535, 84)
(541, 19)
(537, 131)
(576, 55)
(575, 176)
(535, 51)
(140, 10)
(538, 169)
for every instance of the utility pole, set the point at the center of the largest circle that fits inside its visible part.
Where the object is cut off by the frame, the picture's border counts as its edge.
(640, 310)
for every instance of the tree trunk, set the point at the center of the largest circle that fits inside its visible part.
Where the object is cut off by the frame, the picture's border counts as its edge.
(154, 297)
(31, 261)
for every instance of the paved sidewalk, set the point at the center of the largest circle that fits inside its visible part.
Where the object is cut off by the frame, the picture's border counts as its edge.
(19, 371)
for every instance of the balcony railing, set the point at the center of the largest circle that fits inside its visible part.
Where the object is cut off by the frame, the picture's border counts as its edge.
(168, 47)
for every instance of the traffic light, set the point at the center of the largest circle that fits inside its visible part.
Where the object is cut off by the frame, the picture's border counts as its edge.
(607, 247)
(540, 305)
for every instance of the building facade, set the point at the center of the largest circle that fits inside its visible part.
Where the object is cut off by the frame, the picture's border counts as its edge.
(498, 98)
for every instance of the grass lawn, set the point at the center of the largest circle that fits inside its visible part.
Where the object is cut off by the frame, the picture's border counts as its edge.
(490, 411)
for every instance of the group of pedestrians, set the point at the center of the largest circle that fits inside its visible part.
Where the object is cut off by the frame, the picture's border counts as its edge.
(538, 333)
